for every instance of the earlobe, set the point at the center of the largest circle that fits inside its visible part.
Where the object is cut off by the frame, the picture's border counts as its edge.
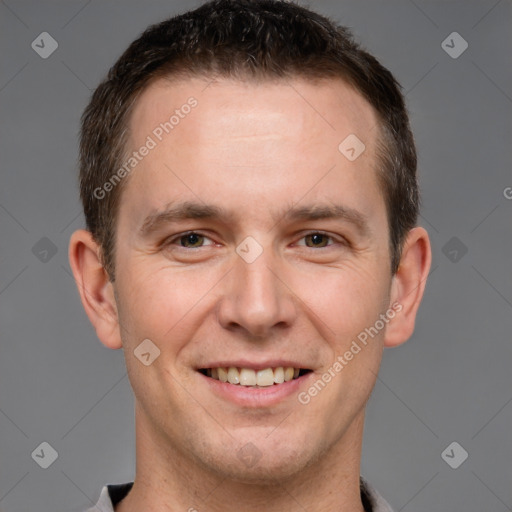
(408, 286)
(95, 288)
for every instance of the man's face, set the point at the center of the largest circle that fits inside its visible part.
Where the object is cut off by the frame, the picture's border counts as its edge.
(264, 283)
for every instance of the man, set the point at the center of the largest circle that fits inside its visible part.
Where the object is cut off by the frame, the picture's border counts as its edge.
(248, 177)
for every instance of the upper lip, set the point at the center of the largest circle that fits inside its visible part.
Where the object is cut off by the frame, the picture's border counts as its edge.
(256, 366)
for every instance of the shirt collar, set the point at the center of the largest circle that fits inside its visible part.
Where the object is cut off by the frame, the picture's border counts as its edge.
(112, 494)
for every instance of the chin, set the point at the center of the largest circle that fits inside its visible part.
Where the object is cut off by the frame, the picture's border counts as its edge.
(264, 472)
(260, 463)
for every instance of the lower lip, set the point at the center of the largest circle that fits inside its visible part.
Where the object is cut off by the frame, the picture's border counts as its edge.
(248, 396)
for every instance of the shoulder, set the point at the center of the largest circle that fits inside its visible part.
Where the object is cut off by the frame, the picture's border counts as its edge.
(371, 498)
(110, 496)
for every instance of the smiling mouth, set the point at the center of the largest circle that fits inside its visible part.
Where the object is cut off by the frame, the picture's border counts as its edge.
(254, 378)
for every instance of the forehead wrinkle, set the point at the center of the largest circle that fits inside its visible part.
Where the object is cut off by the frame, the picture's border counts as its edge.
(192, 210)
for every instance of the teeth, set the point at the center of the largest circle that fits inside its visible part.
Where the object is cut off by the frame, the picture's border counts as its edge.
(265, 377)
(233, 376)
(249, 377)
(288, 373)
(223, 374)
(279, 375)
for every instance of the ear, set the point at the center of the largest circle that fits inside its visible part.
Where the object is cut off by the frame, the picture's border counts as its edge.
(408, 285)
(95, 288)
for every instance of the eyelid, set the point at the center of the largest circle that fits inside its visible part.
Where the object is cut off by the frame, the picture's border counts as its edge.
(174, 238)
(332, 237)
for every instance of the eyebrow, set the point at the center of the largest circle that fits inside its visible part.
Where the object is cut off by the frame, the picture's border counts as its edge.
(330, 211)
(191, 210)
(183, 211)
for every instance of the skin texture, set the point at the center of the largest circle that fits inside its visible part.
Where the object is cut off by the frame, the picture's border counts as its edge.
(256, 150)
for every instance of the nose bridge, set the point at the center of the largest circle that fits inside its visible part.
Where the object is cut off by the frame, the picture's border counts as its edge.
(258, 282)
(255, 299)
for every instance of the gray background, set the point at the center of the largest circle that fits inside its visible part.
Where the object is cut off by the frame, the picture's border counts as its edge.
(450, 382)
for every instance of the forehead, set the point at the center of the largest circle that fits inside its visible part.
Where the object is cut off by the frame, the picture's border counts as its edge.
(235, 108)
(226, 141)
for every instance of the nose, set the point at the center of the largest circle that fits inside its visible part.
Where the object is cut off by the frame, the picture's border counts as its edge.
(256, 299)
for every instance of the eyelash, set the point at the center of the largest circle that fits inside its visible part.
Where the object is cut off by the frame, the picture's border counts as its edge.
(177, 238)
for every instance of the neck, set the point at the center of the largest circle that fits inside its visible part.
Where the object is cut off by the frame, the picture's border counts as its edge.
(167, 480)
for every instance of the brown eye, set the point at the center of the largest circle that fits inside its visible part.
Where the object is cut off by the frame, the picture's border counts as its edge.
(192, 240)
(316, 240)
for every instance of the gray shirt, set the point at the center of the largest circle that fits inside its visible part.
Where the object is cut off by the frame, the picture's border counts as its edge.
(112, 494)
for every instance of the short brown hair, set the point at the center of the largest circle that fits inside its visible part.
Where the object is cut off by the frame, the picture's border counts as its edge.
(243, 39)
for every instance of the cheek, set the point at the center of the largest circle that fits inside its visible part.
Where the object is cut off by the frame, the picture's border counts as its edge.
(159, 303)
(350, 302)
(346, 300)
